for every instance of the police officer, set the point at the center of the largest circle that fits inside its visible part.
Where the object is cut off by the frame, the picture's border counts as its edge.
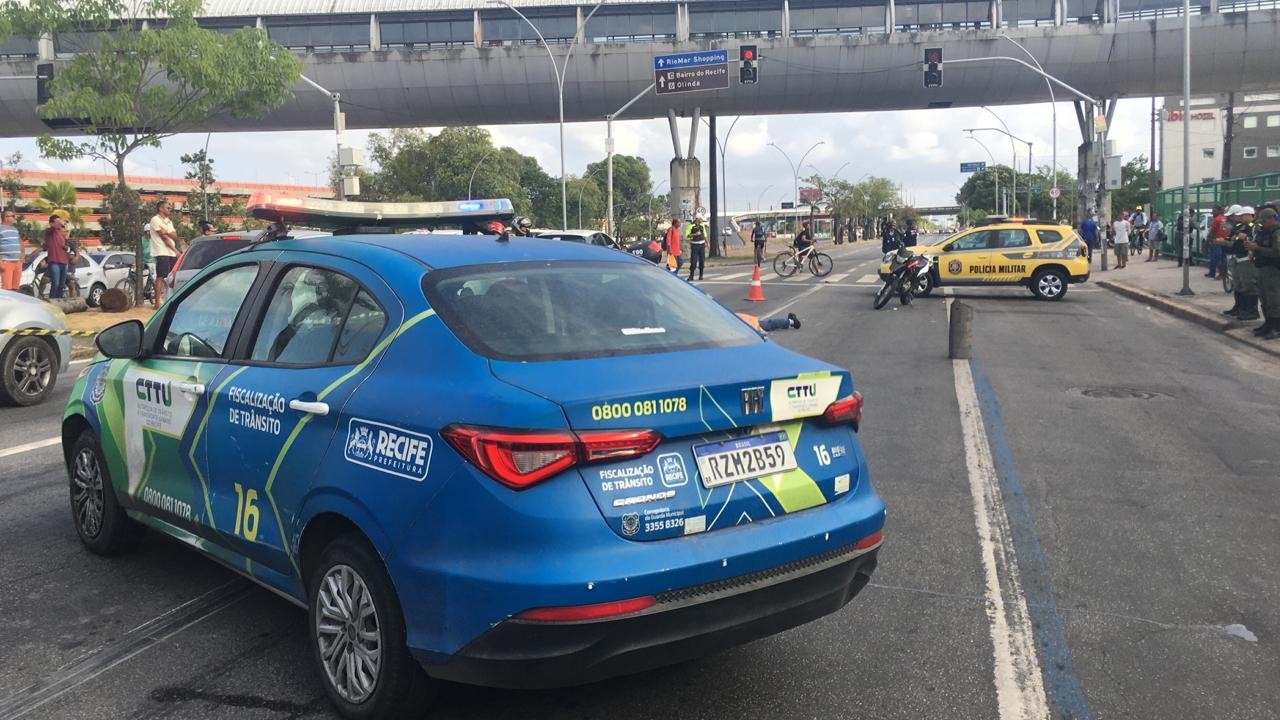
(1244, 284)
(697, 248)
(1265, 246)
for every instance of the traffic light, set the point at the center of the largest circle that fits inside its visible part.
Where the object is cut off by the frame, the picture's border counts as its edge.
(44, 83)
(933, 67)
(748, 70)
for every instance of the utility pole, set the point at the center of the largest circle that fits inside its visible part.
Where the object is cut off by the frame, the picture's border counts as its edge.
(714, 225)
(1229, 137)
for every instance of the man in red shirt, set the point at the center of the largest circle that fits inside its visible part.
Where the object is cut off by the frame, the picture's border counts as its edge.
(55, 248)
(672, 242)
(1217, 241)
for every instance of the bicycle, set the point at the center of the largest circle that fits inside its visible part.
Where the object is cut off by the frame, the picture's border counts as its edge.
(788, 262)
(129, 283)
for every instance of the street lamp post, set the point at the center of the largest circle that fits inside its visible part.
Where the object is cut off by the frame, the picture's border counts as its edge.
(337, 129)
(795, 174)
(1013, 137)
(994, 169)
(582, 187)
(1186, 148)
(477, 167)
(760, 199)
(608, 146)
(724, 147)
(559, 70)
(1013, 150)
(1053, 103)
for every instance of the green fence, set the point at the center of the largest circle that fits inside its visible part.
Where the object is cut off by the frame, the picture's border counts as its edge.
(1253, 190)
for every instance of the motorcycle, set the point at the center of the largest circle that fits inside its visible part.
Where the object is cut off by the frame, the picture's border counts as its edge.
(908, 276)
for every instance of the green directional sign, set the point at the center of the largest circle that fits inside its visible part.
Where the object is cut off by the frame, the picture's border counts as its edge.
(970, 167)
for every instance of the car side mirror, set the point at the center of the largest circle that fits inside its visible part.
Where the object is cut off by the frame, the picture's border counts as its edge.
(121, 341)
(947, 248)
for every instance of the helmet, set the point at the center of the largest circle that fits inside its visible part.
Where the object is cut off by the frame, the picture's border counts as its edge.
(1233, 211)
(494, 227)
(523, 222)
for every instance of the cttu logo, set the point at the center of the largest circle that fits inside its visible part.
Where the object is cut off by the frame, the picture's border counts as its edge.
(388, 449)
(798, 392)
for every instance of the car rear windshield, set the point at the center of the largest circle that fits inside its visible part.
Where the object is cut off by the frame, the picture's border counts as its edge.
(562, 310)
(206, 251)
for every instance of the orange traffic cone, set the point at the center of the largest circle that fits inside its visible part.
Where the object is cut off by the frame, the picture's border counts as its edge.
(756, 293)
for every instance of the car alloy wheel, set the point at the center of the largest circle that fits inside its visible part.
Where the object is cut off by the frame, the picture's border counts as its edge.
(1049, 285)
(32, 370)
(86, 492)
(348, 634)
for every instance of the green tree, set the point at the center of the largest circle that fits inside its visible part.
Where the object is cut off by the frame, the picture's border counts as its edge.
(205, 199)
(979, 190)
(632, 188)
(11, 184)
(150, 72)
(60, 196)
(122, 227)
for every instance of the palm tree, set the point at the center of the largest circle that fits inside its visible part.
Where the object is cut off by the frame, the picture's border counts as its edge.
(60, 195)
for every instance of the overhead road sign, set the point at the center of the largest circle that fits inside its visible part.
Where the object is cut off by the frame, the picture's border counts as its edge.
(691, 72)
(970, 167)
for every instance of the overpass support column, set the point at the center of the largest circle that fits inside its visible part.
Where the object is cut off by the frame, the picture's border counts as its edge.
(890, 17)
(45, 49)
(1092, 198)
(686, 172)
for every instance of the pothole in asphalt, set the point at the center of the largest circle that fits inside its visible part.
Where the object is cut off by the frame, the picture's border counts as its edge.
(1118, 393)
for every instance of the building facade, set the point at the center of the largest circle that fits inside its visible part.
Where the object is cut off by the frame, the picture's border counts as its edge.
(1254, 127)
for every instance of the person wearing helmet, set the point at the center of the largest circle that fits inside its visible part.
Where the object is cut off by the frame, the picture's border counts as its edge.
(1139, 222)
(1265, 248)
(522, 227)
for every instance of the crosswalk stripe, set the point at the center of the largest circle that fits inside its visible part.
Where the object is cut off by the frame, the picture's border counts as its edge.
(733, 276)
(837, 278)
(871, 279)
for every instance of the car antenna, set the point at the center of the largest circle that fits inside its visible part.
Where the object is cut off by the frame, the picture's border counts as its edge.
(277, 230)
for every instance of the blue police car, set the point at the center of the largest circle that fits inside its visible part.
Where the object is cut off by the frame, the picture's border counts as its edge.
(509, 462)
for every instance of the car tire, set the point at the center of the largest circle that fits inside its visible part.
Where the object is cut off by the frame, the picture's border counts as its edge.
(30, 368)
(1049, 284)
(94, 298)
(923, 288)
(103, 526)
(350, 572)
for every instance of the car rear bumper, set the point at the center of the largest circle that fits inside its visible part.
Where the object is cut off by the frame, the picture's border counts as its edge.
(683, 624)
(1077, 279)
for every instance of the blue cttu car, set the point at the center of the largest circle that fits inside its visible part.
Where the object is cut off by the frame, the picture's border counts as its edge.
(518, 463)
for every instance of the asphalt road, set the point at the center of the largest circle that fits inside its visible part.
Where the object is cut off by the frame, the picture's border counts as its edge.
(1083, 522)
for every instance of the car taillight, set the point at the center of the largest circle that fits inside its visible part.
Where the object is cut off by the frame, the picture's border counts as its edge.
(173, 274)
(846, 410)
(522, 458)
(598, 611)
(870, 541)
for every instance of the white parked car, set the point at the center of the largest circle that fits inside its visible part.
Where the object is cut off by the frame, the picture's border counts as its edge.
(30, 364)
(89, 275)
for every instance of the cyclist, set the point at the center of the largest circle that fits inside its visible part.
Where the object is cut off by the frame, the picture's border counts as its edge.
(1139, 222)
(804, 238)
(758, 241)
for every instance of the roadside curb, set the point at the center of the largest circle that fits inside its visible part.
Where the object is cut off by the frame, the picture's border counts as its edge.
(1189, 313)
(80, 352)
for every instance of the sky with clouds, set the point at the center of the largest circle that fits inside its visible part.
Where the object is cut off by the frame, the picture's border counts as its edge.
(919, 149)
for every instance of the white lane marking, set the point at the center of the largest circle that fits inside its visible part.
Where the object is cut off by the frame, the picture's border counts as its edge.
(837, 278)
(731, 276)
(1020, 693)
(872, 279)
(794, 300)
(28, 447)
(81, 361)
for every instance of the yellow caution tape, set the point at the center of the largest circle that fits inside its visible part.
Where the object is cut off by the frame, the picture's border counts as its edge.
(37, 331)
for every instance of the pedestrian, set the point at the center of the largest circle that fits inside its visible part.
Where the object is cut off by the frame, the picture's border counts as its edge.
(1155, 237)
(10, 251)
(1217, 242)
(697, 248)
(888, 237)
(55, 256)
(758, 240)
(207, 228)
(912, 236)
(1244, 283)
(164, 246)
(672, 241)
(1265, 246)
(1089, 233)
(839, 233)
(1122, 228)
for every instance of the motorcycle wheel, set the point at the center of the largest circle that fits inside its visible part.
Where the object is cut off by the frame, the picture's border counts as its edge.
(883, 295)
(904, 296)
(1227, 279)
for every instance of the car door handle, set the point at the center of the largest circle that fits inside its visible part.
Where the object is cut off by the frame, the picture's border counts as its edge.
(315, 408)
(192, 388)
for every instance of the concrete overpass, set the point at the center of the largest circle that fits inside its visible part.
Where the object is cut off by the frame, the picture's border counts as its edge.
(490, 80)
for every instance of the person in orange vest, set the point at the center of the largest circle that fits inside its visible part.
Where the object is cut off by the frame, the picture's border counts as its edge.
(672, 242)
